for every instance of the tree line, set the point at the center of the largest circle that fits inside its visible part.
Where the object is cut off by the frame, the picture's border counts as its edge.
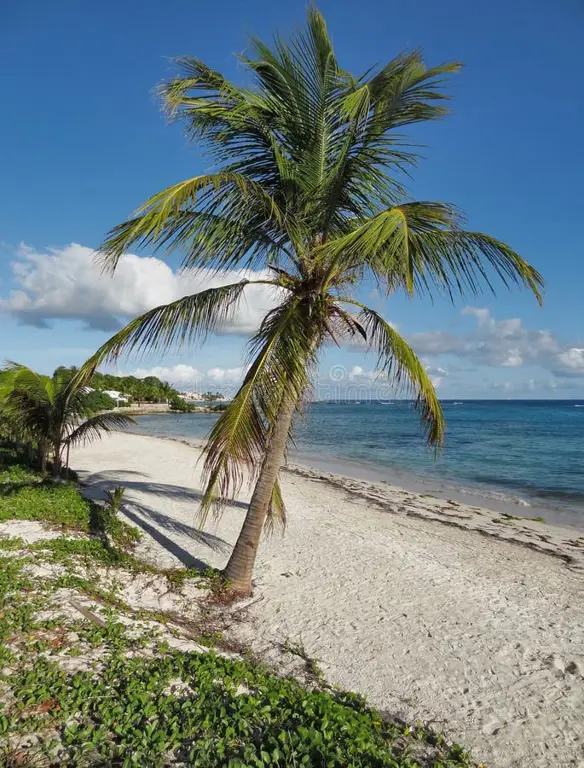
(147, 390)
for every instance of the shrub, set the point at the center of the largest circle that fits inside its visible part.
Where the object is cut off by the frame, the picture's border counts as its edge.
(99, 401)
(27, 495)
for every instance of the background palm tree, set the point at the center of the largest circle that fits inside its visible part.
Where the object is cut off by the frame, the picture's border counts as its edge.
(308, 184)
(52, 412)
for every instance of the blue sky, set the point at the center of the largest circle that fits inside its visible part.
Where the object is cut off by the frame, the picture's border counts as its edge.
(83, 143)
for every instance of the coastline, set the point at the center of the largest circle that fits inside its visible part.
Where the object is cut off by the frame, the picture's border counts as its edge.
(548, 537)
(432, 610)
(522, 496)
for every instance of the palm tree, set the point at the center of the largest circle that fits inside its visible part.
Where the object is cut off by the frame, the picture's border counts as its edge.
(307, 185)
(52, 412)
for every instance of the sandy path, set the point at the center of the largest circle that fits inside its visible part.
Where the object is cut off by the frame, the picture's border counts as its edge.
(481, 636)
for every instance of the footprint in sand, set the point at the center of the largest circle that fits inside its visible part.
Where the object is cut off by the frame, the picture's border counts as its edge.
(562, 667)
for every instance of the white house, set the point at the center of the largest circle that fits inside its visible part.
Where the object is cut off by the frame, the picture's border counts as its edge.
(190, 395)
(115, 395)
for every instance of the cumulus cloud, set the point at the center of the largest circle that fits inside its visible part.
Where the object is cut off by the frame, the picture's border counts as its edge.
(358, 382)
(357, 373)
(175, 374)
(437, 374)
(437, 343)
(182, 375)
(572, 361)
(227, 376)
(503, 343)
(65, 283)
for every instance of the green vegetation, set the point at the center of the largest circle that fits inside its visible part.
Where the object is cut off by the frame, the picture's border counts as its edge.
(132, 700)
(26, 494)
(308, 183)
(137, 391)
(130, 715)
(148, 390)
(50, 414)
(180, 405)
(211, 397)
(99, 401)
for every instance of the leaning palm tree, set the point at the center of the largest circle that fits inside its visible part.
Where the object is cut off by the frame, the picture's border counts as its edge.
(52, 412)
(307, 185)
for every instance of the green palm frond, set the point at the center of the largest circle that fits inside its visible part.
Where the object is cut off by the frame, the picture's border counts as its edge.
(420, 245)
(403, 92)
(92, 428)
(276, 519)
(29, 400)
(283, 350)
(400, 363)
(217, 218)
(185, 321)
(37, 388)
(8, 376)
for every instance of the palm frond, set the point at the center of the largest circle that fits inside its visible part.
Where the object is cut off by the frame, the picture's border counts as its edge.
(91, 430)
(216, 218)
(283, 353)
(276, 519)
(420, 245)
(36, 387)
(28, 401)
(401, 364)
(185, 321)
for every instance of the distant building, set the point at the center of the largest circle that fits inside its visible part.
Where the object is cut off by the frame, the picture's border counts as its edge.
(115, 395)
(190, 395)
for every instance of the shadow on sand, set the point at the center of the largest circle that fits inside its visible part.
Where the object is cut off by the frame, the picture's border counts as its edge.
(151, 520)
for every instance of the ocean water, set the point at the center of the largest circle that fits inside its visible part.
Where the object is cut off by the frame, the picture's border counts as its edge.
(523, 456)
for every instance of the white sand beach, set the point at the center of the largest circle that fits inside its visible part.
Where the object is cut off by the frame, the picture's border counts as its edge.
(432, 610)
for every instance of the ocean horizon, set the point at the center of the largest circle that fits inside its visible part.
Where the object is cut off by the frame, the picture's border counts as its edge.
(524, 457)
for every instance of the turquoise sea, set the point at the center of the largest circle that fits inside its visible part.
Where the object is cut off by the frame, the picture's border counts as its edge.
(523, 456)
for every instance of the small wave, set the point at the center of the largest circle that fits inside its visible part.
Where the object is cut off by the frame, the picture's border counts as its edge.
(497, 495)
(579, 406)
(458, 403)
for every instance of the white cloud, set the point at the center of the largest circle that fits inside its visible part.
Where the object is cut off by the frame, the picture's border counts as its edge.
(435, 370)
(503, 386)
(373, 379)
(226, 375)
(573, 360)
(437, 343)
(66, 283)
(481, 313)
(503, 343)
(357, 373)
(182, 375)
(513, 359)
(175, 374)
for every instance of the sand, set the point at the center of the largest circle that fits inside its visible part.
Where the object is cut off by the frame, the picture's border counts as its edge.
(433, 610)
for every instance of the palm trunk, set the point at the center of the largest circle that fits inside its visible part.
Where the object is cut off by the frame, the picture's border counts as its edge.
(57, 461)
(42, 457)
(239, 569)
